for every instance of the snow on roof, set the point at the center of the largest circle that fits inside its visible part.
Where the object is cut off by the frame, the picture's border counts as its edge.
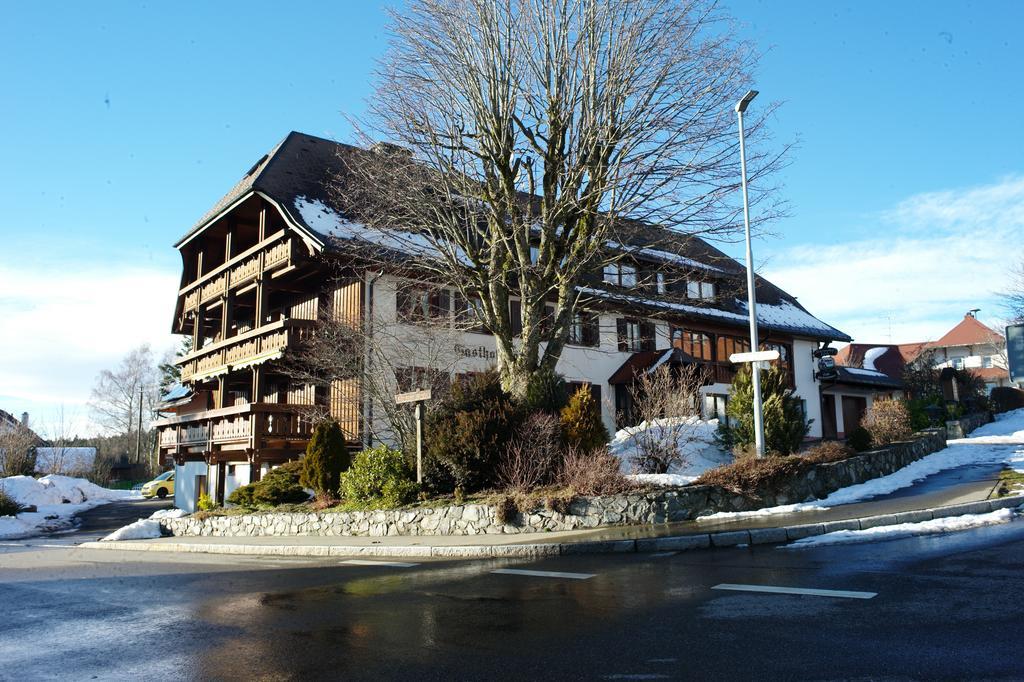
(666, 256)
(784, 316)
(866, 372)
(330, 224)
(872, 354)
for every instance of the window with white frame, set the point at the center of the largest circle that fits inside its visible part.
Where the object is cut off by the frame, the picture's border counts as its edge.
(620, 275)
(700, 290)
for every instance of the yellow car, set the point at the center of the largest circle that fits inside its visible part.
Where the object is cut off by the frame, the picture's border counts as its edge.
(161, 486)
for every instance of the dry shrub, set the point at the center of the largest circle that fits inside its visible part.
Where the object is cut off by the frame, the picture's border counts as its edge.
(531, 459)
(559, 502)
(828, 451)
(672, 400)
(505, 510)
(749, 475)
(594, 472)
(887, 421)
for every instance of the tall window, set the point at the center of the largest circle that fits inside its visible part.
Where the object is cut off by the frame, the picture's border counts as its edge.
(417, 303)
(785, 360)
(620, 275)
(584, 330)
(466, 313)
(700, 290)
(727, 345)
(634, 335)
(986, 361)
(695, 344)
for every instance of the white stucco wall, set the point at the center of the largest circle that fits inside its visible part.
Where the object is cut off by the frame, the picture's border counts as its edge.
(236, 480)
(807, 387)
(185, 484)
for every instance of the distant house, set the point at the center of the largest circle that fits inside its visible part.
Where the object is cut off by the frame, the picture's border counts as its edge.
(65, 460)
(976, 347)
(865, 373)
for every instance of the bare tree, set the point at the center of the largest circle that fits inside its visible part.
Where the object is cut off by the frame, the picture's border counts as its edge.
(382, 359)
(118, 392)
(543, 140)
(1013, 296)
(667, 405)
(17, 450)
(57, 456)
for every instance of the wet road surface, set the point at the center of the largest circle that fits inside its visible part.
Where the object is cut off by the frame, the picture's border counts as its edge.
(946, 607)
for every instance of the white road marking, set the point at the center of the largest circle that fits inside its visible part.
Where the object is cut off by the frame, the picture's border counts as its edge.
(543, 574)
(636, 676)
(367, 562)
(846, 594)
(659, 555)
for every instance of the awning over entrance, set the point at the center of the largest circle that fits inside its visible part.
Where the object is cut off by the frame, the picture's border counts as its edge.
(647, 361)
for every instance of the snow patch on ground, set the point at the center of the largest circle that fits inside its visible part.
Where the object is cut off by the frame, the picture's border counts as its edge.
(145, 529)
(696, 443)
(989, 444)
(897, 531)
(57, 499)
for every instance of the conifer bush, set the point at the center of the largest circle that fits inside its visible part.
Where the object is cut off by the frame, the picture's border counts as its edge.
(8, 505)
(784, 422)
(278, 486)
(379, 477)
(582, 426)
(205, 503)
(467, 433)
(326, 457)
(859, 439)
(546, 392)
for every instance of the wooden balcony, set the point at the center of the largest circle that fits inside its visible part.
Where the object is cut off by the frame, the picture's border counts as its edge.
(273, 253)
(251, 348)
(253, 425)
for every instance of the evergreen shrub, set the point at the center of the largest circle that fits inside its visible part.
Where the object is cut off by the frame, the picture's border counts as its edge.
(205, 503)
(546, 392)
(379, 476)
(859, 439)
(784, 422)
(467, 433)
(1006, 398)
(8, 505)
(582, 426)
(278, 486)
(326, 457)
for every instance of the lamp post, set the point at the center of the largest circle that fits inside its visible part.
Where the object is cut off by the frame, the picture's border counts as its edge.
(755, 367)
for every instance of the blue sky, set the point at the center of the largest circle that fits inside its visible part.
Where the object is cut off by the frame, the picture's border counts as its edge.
(124, 122)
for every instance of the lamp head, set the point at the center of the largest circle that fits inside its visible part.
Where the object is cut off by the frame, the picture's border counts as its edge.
(742, 105)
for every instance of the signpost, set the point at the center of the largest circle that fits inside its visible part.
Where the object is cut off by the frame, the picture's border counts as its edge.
(1015, 352)
(417, 397)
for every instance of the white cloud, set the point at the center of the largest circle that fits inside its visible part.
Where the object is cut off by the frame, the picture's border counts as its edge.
(62, 324)
(933, 257)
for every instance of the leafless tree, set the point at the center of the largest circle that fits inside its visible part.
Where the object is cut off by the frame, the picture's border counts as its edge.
(116, 395)
(666, 405)
(1013, 296)
(58, 451)
(379, 356)
(17, 450)
(536, 141)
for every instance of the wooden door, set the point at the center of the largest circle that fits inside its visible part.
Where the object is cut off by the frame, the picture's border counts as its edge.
(829, 428)
(854, 408)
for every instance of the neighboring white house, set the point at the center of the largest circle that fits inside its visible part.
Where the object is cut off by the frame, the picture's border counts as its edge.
(976, 347)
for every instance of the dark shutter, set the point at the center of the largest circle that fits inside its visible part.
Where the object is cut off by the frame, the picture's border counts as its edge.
(646, 335)
(515, 314)
(620, 331)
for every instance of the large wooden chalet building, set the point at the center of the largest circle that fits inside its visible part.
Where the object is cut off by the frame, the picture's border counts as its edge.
(269, 258)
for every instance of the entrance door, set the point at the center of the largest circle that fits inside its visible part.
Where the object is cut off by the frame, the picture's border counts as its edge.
(828, 416)
(854, 408)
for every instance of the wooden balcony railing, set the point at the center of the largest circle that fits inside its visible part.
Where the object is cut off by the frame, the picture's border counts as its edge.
(274, 252)
(252, 423)
(252, 347)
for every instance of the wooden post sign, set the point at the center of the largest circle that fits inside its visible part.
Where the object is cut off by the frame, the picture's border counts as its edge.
(417, 397)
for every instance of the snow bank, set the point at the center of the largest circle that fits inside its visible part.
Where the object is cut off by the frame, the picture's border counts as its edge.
(990, 444)
(56, 498)
(905, 530)
(696, 443)
(145, 529)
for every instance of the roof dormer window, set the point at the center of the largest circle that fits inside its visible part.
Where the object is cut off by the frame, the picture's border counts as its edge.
(620, 275)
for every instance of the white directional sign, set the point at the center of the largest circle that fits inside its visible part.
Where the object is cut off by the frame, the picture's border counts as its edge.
(759, 356)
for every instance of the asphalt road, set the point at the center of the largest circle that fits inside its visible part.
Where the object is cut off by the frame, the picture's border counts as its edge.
(947, 607)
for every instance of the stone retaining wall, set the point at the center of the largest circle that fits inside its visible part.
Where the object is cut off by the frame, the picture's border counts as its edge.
(677, 504)
(959, 428)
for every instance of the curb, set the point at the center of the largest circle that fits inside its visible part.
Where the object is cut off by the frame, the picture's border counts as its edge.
(732, 538)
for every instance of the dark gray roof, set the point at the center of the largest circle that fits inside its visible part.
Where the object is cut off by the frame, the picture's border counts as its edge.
(302, 167)
(866, 377)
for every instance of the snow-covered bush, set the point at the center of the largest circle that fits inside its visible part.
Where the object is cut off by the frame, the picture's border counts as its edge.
(671, 398)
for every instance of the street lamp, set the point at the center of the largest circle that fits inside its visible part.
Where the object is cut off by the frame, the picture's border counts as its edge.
(755, 367)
